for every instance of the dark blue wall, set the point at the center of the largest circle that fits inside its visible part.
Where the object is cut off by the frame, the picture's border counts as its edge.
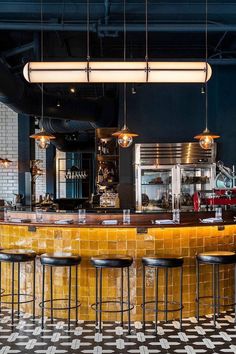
(175, 113)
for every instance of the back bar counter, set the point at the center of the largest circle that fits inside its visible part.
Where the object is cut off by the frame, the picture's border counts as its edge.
(140, 238)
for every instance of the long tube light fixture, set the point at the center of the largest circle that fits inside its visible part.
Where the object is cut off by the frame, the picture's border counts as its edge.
(120, 72)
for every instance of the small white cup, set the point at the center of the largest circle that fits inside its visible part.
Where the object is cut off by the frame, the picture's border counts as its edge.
(82, 216)
(126, 216)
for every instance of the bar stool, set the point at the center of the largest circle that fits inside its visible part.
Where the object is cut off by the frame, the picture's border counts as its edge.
(58, 259)
(165, 263)
(18, 256)
(214, 258)
(112, 261)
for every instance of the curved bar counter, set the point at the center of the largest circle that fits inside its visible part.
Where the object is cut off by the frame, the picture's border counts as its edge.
(140, 238)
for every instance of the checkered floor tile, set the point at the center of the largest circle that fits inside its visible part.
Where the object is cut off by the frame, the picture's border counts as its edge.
(26, 336)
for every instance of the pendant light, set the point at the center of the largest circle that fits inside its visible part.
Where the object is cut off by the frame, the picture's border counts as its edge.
(116, 71)
(125, 136)
(42, 138)
(206, 138)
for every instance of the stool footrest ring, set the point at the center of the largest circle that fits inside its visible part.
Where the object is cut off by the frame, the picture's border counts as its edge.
(93, 306)
(162, 302)
(42, 305)
(218, 298)
(32, 298)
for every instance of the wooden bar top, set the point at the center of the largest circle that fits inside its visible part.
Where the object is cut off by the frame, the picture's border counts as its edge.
(93, 220)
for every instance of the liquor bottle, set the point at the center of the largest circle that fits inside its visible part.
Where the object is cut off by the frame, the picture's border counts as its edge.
(100, 175)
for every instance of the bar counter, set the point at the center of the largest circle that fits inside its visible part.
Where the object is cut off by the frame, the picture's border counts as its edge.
(140, 238)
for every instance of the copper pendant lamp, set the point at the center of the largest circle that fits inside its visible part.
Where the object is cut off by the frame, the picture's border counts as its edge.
(206, 138)
(124, 135)
(42, 138)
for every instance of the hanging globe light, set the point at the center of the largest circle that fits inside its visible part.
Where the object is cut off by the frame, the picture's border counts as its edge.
(42, 139)
(124, 137)
(206, 139)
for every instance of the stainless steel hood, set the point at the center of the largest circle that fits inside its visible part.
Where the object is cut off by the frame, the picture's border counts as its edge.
(173, 153)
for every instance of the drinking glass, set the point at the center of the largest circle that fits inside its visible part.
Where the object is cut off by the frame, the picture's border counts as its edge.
(176, 216)
(82, 216)
(38, 214)
(6, 215)
(126, 216)
(218, 213)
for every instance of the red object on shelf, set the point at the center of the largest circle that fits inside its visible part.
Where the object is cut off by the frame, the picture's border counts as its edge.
(221, 197)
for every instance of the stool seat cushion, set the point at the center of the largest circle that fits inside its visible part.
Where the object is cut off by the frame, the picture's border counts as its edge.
(217, 257)
(17, 255)
(111, 261)
(167, 261)
(60, 259)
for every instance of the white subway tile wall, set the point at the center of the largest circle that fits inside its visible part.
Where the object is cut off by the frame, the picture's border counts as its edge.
(8, 149)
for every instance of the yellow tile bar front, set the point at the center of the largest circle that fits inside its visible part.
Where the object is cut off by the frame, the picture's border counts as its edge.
(184, 241)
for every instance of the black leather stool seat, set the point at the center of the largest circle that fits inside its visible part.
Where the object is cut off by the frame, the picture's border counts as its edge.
(14, 255)
(168, 261)
(60, 259)
(111, 261)
(217, 257)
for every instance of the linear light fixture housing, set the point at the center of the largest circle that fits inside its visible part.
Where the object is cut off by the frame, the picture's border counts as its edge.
(120, 72)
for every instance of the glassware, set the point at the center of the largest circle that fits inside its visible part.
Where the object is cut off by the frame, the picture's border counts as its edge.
(176, 216)
(218, 213)
(38, 214)
(6, 215)
(126, 216)
(82, 216)
(176, 209)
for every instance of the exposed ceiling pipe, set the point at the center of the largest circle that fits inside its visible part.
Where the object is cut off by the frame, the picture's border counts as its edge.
(102, 28)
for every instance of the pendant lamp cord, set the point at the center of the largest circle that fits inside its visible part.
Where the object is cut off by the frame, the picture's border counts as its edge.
(206, 57)
(42, 54)
(125, 86)
(146, 29)
(88, 30)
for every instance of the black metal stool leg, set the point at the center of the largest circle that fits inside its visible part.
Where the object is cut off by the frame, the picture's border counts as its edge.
(235, 293)
(218, 288)
(0, 287)
(76, 293)
(128, 287)
(12, 292)
(144, 297)
(96, 305)
(181, 297)
(34, 283)
(51, 292)
(69, 298)
(122, 298)
(214, 291)
(100, 302)
(18, 294)
(166, 294)
(43, 290)
(156, 300)
(197, 289)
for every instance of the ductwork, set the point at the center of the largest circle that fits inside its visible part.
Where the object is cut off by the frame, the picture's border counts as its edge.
(72, 123)
(20, 97)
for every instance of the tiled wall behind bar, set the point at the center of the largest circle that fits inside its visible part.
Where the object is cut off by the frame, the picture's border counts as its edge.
(91, 241)
(8, 149)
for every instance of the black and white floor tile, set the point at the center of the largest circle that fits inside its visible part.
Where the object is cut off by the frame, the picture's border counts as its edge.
(26, 336)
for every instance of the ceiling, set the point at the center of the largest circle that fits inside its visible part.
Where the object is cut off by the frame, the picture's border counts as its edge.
(176, 30)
